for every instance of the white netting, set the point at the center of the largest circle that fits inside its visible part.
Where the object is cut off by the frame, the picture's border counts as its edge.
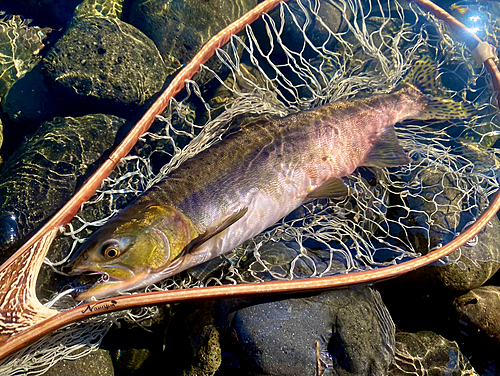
(307, 54)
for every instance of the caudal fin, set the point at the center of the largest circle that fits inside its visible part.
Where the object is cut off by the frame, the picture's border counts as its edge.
(423, 76)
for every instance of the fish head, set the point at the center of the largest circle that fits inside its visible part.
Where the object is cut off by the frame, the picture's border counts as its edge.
(131, 248)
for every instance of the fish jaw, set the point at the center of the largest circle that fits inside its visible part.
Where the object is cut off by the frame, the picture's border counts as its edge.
(115, 279)
(111, 287)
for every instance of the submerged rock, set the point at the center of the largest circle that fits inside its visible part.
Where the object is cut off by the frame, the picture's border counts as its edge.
(104, 61)
(285, 259)
(45, 171)
(100, 8)
(475, 262)
(181, 27)
(428, 353)
(344, 332)
(20, 45)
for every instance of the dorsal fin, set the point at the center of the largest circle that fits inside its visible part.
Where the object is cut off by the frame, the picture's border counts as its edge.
(211, 232)
(387, 152)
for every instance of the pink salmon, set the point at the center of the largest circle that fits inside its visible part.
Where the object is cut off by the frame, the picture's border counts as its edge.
(248, 181)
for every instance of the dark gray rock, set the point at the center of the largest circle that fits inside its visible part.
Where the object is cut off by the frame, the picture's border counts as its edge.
(333, 15)
(349, 332)
(428, 353)
(97, 363)
(104, 62)
(46, 169)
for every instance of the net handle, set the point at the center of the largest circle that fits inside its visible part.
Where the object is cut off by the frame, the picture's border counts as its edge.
(18, 328)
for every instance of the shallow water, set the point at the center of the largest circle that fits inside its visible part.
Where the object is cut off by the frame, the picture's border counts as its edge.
(393, 215)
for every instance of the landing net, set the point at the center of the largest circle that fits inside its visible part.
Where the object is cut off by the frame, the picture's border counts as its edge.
(304, 55)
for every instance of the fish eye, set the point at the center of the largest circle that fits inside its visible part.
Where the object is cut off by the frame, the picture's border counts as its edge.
(111, 249)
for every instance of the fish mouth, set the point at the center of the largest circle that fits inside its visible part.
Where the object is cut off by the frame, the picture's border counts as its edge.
(99, 284)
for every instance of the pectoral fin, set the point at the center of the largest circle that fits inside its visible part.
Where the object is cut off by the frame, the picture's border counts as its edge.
(333, 187)
(211, 232)
(387, 152)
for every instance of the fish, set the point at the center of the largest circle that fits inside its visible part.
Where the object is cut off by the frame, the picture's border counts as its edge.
(251, 179)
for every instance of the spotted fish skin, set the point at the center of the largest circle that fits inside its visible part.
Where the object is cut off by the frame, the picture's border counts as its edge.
(235, 189)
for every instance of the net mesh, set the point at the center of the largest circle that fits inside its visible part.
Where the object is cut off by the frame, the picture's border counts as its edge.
(307, 54)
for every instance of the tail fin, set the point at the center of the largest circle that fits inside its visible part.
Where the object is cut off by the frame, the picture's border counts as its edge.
(423, 76)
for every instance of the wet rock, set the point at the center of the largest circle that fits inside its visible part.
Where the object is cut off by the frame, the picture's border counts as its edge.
(332, 13)
(474, 263)
(46, 169)
(104, 62)
(477, 327)
(478, 312)
(348, 332)
(208, 355)
(428, 353)
(181, 27)
(97, 363)
(20, 45)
